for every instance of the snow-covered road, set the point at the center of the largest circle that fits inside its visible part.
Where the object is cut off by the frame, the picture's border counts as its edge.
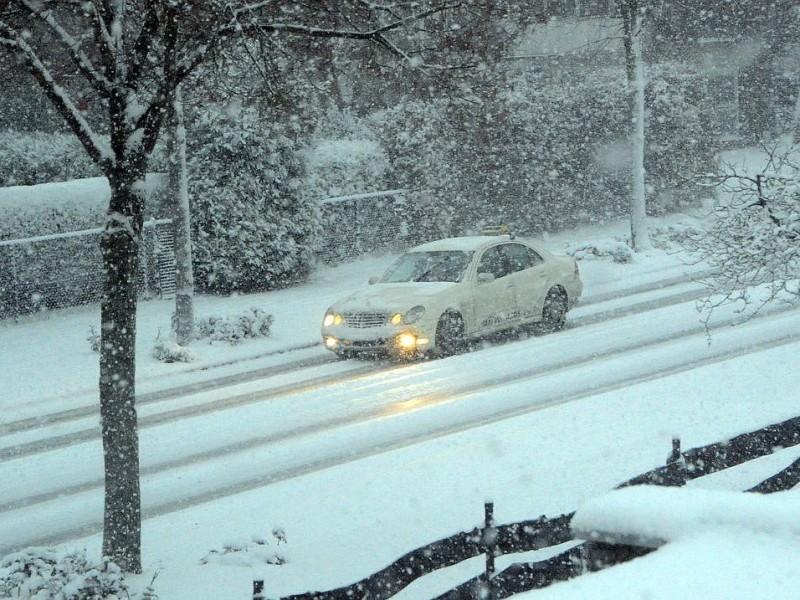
(208, 444)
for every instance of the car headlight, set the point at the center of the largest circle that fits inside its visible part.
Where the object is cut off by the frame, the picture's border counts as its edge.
(413, 315)
(331, 318)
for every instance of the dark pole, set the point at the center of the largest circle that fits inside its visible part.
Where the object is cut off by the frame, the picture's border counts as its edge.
(489, 542)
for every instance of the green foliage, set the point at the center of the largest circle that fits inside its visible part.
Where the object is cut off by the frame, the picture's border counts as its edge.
(252, 226)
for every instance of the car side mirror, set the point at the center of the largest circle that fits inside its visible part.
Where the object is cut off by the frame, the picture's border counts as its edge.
(373, 280)
(485, 277)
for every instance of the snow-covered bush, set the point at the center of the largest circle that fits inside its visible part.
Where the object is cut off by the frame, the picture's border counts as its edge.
(677, 137)
(171, 352)
(253, 323)
(674, 235)
(617, 250)
(421, 144)
(343, 157)
(31, 158)
(248, 553)
(556, 135)
(546, 151)
(252, 226)
(40, 573)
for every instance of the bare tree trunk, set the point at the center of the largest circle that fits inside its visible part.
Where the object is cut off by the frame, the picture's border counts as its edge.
(634, 69)
(794, 130)
(120, 248)
(181, 221)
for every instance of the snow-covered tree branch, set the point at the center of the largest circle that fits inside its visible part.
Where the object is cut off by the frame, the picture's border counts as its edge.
(754, 237)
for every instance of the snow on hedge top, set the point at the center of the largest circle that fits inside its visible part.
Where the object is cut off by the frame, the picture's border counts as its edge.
(89, 193)
(57, 207)
(651, 515)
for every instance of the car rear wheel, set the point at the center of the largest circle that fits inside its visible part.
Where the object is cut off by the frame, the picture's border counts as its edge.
(554, 312)
(449, 334)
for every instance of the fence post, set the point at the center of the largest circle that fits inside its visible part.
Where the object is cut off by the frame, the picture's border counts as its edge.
(258, 589)
(678, 476)
(489, 542)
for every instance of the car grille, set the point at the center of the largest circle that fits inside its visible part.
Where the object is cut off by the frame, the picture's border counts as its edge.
(365, 320)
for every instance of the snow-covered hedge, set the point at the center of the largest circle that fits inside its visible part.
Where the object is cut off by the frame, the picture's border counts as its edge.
(32, 158)
(543, 153)
(678, 148)
(253, 228)
(343, 156)
(39, 573)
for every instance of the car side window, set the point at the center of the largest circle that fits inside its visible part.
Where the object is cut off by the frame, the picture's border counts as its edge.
(534, 258)
(494, 261)
(521, 257)
(518, 257)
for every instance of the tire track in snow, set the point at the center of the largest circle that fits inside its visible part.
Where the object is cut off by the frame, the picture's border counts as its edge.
(146, 399)
(350, 454)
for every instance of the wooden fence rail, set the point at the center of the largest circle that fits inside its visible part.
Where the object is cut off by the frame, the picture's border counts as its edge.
(546, 532)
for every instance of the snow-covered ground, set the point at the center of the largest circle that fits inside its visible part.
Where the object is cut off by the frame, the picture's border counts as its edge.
(350, 519)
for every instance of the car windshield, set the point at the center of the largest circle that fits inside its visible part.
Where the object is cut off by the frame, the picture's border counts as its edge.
(443, 265)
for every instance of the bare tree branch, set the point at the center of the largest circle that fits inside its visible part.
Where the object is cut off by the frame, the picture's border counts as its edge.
(73, 46)
(61, 101)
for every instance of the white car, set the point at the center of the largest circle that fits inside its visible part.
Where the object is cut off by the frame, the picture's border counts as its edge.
(439, 295)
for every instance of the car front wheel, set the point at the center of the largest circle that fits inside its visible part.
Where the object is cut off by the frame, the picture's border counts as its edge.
(449, 334)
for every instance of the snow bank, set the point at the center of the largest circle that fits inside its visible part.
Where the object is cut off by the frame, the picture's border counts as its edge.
(655, 515)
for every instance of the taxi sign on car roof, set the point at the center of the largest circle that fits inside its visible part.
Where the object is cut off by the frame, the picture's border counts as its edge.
(498, 230)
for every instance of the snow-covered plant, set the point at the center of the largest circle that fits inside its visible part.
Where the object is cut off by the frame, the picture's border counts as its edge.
(754, 235)
(171, 352)
(253, 552)
(677, 137)
(617, 250)
(422, 145)
(252, 226)
(94, 339)
(249, 553)
(37, 573)
(253, 323)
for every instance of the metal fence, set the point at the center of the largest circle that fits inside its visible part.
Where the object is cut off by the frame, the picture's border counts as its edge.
(388, 220)
(494, 540)
(66, 269)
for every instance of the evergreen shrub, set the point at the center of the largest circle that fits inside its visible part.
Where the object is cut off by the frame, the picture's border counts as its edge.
(253, 228)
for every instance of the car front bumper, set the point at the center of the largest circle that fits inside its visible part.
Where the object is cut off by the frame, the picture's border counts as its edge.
(403, 342)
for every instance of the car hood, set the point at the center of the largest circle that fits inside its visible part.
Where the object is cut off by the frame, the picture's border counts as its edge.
(392, 296)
